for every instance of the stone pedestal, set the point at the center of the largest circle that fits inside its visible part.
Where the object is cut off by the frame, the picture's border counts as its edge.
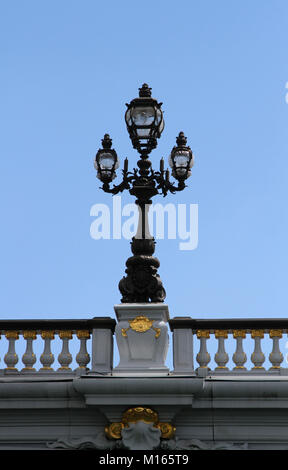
(142, 338)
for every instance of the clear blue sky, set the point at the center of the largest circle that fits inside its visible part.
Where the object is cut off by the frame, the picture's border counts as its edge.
(67, 70)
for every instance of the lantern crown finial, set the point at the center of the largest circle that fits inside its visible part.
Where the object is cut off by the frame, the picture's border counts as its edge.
(106, 142)
(145, 91)
(181, 140)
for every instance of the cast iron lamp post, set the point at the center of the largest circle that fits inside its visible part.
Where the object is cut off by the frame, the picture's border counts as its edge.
(144, 120)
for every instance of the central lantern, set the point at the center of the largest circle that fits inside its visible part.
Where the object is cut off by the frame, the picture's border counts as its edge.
(144, 120)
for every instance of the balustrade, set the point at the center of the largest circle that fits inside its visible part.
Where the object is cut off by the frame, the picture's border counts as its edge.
(235, 345)
(199, 346)
(57, 335)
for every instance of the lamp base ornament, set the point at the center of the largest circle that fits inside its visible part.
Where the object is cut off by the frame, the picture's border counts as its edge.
(142, 283)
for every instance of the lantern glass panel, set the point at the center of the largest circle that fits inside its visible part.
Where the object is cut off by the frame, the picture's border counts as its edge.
(161, 127)
(143, 116)
(128, 117)
(180, 161)
(143, 132)
(158, 116)
(106, 161)
(181, 158)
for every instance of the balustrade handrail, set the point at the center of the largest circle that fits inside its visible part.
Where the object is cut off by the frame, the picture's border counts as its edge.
(229, 324)
(58, 324)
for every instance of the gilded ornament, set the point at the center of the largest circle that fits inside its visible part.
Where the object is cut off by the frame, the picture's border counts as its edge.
(64, 334)
(29, 334)
(48, 334)
(221, 334)
(83, 334)
(139, 413)
(203, 334)
(167, 430)
(257, 334)
(141, 324)
(12, 335)
(113, 431)
(275, 333)
(239, 333)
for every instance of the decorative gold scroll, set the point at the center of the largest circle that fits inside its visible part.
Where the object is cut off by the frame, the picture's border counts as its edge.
(257, 334)
(239, 333)
(221, 334)
(275, 333)
(141, 324)
(203, 334)
(140, 413)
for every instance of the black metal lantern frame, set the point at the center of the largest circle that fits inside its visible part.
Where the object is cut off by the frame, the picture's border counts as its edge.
(144, 120)
(106, 173)
(142, 282)
(181, 170)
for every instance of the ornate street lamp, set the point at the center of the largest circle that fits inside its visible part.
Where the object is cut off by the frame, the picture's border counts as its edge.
(144, 120)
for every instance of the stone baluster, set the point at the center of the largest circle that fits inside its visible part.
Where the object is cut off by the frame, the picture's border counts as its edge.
(65, 357)
(275, 357)
(29, 357)
(203, 357)
(257, 356)
(47, 358)
(221, 357)
(11, 357)
(239, 357)
(83, 357)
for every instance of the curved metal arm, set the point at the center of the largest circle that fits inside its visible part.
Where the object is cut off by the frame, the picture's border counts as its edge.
(164, 183)
(160, 177)
(125, 184)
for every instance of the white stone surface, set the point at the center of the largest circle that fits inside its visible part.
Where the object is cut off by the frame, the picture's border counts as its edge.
(142, 352)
